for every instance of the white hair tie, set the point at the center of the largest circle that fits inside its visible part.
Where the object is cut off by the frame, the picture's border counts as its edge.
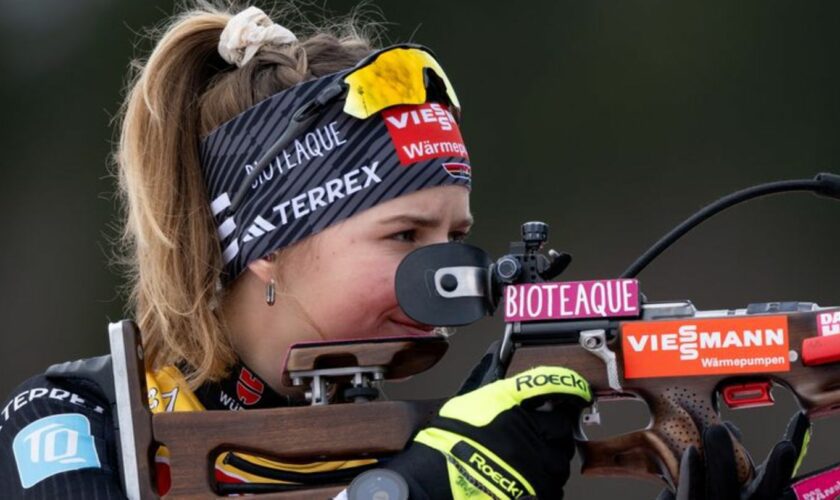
(246, 32)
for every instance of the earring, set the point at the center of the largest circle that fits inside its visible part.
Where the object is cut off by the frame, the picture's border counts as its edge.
(270, 293)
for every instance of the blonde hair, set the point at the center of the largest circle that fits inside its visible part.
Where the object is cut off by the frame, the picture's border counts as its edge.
(168, 242)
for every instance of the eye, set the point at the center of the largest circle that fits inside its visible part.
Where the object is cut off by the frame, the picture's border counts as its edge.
(409, 235)
(458, 236)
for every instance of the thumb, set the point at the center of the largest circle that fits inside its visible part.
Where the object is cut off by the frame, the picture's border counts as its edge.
(775, 473)
(692, 476)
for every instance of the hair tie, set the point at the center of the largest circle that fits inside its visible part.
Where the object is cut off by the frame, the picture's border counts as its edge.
(246, 32)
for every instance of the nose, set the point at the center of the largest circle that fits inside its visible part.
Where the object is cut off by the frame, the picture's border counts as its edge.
(440, 235)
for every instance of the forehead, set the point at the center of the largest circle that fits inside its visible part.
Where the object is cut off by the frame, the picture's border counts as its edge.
(441, 205)
(448, 202)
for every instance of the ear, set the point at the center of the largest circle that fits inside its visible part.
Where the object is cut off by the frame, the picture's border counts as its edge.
(265, 268)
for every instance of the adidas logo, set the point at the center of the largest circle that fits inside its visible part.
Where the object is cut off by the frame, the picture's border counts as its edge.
(257, 229)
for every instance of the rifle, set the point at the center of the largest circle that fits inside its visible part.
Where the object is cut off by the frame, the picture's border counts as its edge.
(677, 359)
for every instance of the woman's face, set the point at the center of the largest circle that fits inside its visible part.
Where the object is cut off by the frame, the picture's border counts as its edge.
(341, 284)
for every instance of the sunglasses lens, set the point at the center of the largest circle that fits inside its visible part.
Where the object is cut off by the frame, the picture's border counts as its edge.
(394, 77)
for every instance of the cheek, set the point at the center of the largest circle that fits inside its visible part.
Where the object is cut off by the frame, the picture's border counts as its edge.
(376, 279)
(354, 295)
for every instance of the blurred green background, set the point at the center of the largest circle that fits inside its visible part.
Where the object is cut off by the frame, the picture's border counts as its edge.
(612, 121)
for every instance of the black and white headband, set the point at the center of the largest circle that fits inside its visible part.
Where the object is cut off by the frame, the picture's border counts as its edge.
(335, 167)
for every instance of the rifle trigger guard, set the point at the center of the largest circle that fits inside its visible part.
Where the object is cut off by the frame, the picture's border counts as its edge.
(595, 341)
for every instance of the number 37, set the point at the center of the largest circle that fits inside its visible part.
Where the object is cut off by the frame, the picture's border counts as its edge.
(168, 397)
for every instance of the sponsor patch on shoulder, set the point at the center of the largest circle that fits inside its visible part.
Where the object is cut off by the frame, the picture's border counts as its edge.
(52, 445)
(705, 346)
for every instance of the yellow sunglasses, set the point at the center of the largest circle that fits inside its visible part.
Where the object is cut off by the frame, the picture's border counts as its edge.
(394, 76)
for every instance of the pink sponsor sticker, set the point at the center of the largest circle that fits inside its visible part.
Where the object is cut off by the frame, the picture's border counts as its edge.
(829, 323)
(572, 300)
(825, 485)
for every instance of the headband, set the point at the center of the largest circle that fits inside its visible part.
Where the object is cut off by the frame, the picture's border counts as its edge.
(333, 167)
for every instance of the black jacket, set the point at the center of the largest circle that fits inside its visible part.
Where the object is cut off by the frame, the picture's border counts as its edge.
(57, 440)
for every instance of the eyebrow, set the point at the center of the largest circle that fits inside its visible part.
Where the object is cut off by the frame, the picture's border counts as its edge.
(417, 220)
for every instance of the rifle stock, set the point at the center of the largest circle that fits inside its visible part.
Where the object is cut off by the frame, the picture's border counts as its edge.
(315, 433)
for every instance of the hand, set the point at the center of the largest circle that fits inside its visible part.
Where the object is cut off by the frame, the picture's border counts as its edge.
(715, 476)
(512, 438)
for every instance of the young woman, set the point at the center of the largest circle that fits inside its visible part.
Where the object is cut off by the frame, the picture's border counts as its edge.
(272, 184)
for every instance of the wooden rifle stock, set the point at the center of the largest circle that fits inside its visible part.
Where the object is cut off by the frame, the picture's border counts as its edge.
(316, 433)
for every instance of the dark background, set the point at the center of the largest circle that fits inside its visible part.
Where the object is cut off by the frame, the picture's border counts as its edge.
(612, 121)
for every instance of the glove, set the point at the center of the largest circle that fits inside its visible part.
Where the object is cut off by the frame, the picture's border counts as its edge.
(494, 442)
(715, 476)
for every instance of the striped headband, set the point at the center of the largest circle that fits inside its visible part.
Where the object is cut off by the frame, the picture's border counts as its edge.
(334, 166)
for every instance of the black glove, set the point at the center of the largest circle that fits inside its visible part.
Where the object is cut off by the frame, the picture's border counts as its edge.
(715, 474)
(493, 442)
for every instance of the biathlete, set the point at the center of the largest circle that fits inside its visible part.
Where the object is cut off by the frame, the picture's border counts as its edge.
(271, 185)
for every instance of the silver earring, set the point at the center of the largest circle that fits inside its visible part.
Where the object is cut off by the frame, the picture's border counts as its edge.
(270, 294)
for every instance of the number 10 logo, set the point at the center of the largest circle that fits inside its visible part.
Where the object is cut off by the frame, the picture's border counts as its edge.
(54, 444)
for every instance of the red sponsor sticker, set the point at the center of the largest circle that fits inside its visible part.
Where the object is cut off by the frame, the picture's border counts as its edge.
(705, 346)
(249, 388)
(423, 132)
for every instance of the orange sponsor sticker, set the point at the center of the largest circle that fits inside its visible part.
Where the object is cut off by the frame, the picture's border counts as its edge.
(675, 348)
